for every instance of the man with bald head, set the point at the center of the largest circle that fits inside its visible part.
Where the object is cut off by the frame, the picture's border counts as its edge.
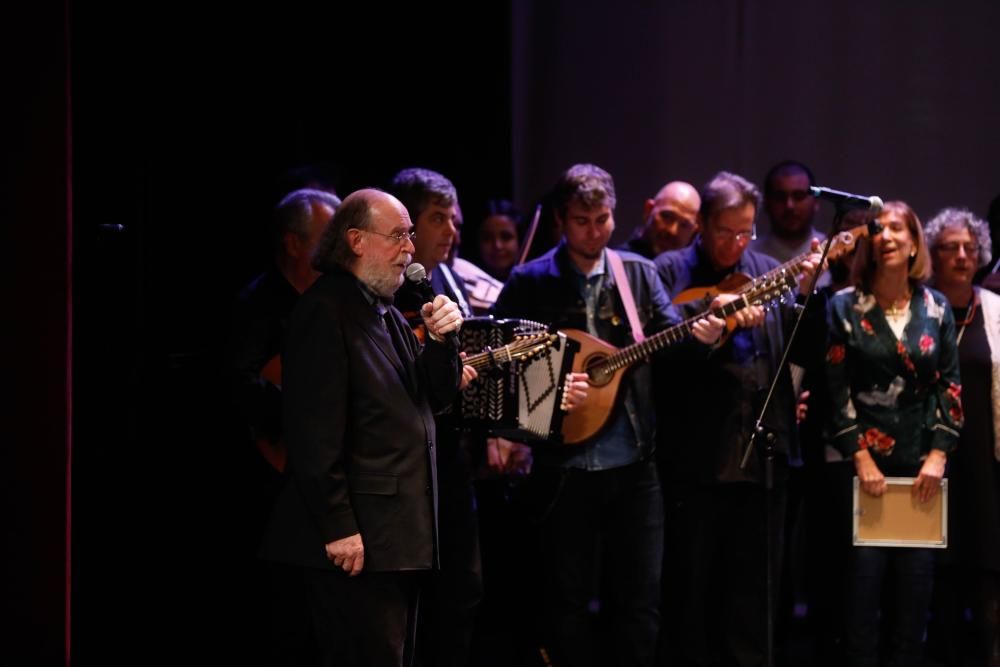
(359, 510)
(671, 220)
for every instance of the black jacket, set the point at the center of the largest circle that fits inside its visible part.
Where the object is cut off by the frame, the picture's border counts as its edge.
(360, 437)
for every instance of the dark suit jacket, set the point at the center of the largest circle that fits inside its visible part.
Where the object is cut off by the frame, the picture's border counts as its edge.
(360, 437)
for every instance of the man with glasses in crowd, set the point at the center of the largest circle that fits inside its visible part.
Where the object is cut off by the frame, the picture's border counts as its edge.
(717, 512)
(358, 512)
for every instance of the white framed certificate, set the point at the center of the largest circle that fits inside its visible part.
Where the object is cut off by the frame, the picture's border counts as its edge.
(897, 519)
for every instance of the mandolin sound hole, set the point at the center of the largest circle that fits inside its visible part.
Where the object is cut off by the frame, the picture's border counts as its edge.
(599, 374)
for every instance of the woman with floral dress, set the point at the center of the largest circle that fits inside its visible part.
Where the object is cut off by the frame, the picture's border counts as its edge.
(892, 370)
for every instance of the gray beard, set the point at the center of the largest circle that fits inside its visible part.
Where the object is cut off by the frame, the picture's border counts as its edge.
(383, 285)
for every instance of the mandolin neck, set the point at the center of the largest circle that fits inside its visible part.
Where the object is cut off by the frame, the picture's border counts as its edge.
(507, 353)
(792, 267)
(627, 356)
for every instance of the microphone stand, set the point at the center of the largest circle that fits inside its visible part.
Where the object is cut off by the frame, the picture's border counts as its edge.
(769, 440)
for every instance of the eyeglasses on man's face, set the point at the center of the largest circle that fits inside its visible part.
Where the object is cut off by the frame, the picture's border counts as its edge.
(398, 237)
(952, 247)
(729, 236)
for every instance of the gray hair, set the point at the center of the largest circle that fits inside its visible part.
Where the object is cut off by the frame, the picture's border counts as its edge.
(727, 190)
(294, 212)
(418, 188)
(952, 218)
(333, 251)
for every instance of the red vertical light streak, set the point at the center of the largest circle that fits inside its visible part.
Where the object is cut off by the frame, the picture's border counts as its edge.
(69, 336)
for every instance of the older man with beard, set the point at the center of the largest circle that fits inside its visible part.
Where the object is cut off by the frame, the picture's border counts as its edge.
(359, 509)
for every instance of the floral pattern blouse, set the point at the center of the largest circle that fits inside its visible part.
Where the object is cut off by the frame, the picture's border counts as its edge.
(898, 398)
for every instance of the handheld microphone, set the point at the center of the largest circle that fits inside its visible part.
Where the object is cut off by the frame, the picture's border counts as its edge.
(417, 275)
(873, 204)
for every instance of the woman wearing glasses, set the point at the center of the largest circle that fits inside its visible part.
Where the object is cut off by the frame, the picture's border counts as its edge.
(892, 370)
(960, 245)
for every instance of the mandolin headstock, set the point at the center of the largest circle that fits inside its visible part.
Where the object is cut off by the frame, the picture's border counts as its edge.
(533, 345)
(845, 241)
(769, 290)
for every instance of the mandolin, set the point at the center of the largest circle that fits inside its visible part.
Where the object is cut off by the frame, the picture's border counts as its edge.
(603, 363)
(524, 346)
(739, 283)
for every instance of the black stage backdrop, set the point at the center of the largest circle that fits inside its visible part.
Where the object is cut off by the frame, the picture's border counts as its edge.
(183, 119)
(897, 99)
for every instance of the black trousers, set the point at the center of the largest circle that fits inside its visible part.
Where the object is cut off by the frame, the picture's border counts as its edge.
(602, 549)
(913, 577)
(717, 590)
(450, 596)
(364, 621)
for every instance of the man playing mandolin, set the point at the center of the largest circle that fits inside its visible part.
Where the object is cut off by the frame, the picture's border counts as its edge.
(717, 513)
(602, 524)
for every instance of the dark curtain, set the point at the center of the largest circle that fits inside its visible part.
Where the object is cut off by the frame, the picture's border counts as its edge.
(898, 99)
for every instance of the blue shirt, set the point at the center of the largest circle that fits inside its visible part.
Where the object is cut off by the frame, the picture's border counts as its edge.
(616, 445)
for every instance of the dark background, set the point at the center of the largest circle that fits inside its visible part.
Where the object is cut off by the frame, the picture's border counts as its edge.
(148, 146)
(891, 98)
(176, 123)
(193, 122)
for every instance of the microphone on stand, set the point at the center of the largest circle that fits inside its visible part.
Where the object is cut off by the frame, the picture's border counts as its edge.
(846, 199)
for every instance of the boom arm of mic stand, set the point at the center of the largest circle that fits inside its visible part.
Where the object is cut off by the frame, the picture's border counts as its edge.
(759, 424)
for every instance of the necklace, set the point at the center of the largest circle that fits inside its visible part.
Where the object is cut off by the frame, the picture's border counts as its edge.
(970, 314)
(898, 306)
